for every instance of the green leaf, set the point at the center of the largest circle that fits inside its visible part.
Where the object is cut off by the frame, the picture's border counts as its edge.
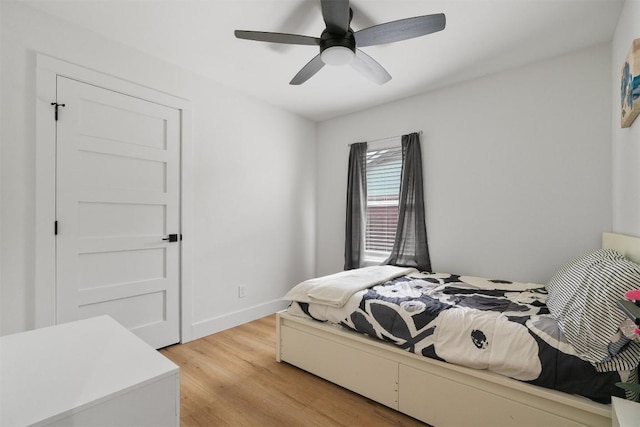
(630, 387)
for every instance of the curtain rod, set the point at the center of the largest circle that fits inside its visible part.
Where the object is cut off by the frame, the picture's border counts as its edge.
(391, 137)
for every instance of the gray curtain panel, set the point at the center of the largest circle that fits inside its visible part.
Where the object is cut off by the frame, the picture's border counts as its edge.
(410, 247)
(356, 206)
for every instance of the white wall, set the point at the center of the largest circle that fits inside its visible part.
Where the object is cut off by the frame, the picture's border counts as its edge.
(254, 184)
(517, 167)
(625, 142)
(1, 261)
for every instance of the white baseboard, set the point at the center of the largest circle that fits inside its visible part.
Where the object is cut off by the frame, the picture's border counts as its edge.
(216, 324)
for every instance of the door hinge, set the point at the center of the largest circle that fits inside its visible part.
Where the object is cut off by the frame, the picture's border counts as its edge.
(55, 228)
(56, 105)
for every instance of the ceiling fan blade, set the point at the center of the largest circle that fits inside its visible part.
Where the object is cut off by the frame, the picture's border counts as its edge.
(284, 38)
(307, 71)
(402, 29)
(336, 15)
(370, 68)
(300, 18)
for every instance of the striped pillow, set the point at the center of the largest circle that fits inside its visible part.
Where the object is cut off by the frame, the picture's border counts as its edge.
(582, 298)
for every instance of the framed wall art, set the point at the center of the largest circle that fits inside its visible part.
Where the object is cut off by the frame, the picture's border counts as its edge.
(630, 86)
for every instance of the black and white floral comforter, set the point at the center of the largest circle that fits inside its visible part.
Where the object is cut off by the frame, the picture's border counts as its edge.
(501, 326)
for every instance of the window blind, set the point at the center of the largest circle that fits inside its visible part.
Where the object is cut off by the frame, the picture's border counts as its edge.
(384, 168)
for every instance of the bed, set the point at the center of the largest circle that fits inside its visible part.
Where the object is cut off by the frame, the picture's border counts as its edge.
(431, 390)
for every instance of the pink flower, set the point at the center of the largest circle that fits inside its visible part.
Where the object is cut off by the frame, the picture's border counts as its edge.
(633, 295)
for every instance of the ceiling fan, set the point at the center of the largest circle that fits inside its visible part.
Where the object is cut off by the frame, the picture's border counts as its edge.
(339, 44)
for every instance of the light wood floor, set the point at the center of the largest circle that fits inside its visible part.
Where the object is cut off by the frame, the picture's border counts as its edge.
(232, 379)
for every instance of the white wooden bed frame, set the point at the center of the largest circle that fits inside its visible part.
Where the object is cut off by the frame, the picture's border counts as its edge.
(435, 392)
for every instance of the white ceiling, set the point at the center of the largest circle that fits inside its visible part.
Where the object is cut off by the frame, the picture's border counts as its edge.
(481, 37)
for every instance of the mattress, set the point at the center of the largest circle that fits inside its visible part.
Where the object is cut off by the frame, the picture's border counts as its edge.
(498, 325)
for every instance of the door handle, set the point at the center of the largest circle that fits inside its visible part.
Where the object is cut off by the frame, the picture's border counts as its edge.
(172, 238)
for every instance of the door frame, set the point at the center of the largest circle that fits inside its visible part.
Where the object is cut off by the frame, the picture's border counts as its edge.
(47, 70)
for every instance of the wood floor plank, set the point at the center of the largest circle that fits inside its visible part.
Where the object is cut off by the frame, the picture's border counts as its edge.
(232, 379)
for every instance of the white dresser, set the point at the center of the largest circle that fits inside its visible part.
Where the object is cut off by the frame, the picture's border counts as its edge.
(91, 372)
(625, 413)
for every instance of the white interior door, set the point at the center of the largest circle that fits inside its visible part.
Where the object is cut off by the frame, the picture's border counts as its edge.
(117, 201)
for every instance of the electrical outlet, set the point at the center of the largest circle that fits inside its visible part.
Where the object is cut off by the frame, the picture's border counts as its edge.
(242, 292)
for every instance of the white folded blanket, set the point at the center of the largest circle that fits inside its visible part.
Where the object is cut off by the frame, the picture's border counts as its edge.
(335, 289)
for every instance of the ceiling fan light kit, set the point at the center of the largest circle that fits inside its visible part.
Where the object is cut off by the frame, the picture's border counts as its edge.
(339, 44)
(337, 55)
(337, 50)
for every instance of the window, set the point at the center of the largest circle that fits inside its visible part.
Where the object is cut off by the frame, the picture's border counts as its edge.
(384, 167)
